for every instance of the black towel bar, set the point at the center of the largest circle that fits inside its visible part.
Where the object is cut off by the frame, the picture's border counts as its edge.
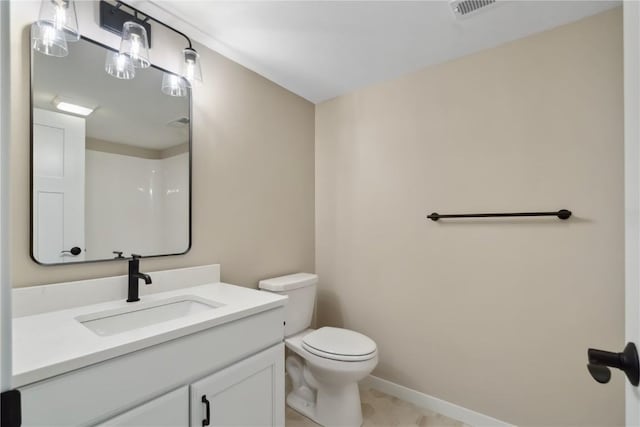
(562, 214)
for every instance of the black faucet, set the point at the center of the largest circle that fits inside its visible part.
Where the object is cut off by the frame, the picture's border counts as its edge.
(134, 276)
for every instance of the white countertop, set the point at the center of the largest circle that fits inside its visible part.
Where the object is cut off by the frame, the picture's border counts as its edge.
(52, 343)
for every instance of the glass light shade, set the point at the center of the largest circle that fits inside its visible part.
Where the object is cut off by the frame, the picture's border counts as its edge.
(119, 66)
(61, 15)
(135, 44)
(174, 85)
(191, 69)
(46, 39)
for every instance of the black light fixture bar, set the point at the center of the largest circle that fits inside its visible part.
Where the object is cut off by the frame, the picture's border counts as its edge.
(561, 214)
(113, 17)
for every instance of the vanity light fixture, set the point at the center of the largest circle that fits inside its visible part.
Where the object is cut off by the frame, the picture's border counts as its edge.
(173, 85)
(135, 29)
(69, 107)
(191, 69)
(57, 24)
(119, 66)
(135, 44)
(45, 39)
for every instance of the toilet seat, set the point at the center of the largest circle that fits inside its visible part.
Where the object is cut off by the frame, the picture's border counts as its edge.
(339, 344)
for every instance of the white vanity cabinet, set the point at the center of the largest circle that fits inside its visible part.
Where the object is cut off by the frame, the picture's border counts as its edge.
(249, 393)
(168, 410)
(238, 366)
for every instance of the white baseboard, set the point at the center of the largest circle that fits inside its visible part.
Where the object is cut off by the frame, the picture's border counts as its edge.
(431, 403)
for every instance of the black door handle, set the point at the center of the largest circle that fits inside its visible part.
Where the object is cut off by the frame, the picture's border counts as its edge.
(73, 251)
(600, 373)
(207, 407)
(627, 361)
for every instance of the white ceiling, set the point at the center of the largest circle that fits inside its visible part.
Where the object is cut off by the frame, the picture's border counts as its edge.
(322, 49)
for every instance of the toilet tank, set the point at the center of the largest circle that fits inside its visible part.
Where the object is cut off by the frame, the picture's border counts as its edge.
(301, 290)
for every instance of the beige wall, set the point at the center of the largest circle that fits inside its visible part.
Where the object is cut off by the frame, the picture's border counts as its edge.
(494, 315)
(253, 180)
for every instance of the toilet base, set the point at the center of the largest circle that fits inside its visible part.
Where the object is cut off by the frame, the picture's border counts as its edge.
(340, 408)
(326, 404)
(302, 406)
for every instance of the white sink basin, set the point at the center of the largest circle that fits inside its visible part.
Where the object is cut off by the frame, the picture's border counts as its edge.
(139, 315)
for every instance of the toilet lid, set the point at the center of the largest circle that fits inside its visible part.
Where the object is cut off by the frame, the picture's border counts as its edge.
(339, 344)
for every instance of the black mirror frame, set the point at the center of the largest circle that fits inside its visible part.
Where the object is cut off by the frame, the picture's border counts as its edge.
(31, 169)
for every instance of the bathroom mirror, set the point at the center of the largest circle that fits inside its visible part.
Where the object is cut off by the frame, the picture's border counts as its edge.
(117, 181)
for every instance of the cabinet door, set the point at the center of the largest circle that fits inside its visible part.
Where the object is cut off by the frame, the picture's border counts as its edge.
(168, 410)
(248, 393)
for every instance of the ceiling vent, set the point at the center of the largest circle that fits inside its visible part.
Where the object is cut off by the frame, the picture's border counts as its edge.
(466, 8)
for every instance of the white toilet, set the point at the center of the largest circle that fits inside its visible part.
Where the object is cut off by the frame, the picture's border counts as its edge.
(328, 362)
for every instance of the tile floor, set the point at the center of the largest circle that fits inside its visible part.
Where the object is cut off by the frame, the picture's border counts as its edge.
(379, 409)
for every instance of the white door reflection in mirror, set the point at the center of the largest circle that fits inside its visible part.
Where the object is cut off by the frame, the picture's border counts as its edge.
(58, 186)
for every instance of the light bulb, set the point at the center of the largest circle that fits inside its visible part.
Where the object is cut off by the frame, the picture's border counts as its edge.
(120, 63)
(189, 70)
(48, 36)
(135, 46)
(60, 15)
